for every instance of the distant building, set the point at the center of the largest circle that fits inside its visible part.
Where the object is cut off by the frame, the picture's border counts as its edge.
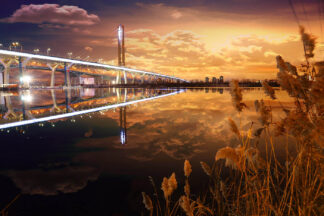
(87, 81)
(214, 80)
(207, 80)
(221, 79)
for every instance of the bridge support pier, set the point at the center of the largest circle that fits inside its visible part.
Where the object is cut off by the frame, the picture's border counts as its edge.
(125, 95)
(6, 72)
(125, 77)
(10, 112)
(68, 95)
(67, 78)
(118, 95)
(55, 108)
(21, 71)
(53, 69)
(6, 78)
(22, 68)
(118, 80)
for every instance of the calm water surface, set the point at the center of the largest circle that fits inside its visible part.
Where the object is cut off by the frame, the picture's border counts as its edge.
(65, 159)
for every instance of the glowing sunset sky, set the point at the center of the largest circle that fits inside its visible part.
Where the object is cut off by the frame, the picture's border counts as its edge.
(186, 38)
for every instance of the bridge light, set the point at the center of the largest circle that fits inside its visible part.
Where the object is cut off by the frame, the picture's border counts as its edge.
(120, 33)
(26, 98)
(26, 79)
(69, 54)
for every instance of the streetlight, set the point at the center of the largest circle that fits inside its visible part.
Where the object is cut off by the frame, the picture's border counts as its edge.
(69, 54)
(15, 45)
(36, 51)
(48, 51)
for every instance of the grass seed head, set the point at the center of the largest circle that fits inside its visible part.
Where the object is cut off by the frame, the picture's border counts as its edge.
(206, 168)
(234, 128)
(237, 96)
(165, 187)
(147, 201)
(187, 168)
(173, 184)
(185, 205)
(268, 90)
(308, 41)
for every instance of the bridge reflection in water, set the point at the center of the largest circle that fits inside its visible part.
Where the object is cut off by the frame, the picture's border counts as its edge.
(30, 107)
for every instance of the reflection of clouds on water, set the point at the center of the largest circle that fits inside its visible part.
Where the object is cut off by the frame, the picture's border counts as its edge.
(53, 182)
(181, 126)
(177, 127)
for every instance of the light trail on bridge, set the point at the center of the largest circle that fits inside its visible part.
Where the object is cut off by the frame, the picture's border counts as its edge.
(79, 62)
(81, 112)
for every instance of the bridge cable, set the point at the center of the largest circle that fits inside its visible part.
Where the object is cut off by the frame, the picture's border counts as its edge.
(306, 16)
(320, 18)
(294, 12)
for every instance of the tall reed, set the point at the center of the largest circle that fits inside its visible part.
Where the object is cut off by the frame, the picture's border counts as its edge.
(244, 181)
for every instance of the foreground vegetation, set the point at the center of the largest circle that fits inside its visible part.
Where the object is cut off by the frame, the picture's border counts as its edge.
(245, 182)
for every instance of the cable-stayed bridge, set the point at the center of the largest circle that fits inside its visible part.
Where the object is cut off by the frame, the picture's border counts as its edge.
(74, 68)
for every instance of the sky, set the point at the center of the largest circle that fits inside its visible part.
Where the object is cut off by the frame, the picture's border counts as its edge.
(190, 39)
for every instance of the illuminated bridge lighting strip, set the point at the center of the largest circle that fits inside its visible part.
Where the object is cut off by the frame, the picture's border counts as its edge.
(81, 112)
(57, 59)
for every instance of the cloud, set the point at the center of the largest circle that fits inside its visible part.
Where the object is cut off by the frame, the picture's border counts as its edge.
(176, 14)
(178, 50)
(184, 54)
(52, 14)
(89, 49)
(161, 9)
(52, 182)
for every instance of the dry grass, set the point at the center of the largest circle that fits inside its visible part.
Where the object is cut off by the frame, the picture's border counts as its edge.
(251, 184)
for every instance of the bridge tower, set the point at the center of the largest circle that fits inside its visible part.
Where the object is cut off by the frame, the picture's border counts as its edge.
(121, 54)
(121, 46)
(123, 126)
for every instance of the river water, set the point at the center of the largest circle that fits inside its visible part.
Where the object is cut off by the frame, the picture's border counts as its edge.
(90, 151)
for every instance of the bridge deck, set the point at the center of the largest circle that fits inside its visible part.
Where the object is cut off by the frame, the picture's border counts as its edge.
(85, 63)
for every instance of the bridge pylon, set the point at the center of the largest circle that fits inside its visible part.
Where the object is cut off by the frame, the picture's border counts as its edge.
(123, 125)
(121, 46)
(121, 53)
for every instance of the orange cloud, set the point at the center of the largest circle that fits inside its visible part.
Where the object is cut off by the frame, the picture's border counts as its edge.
(184, 54)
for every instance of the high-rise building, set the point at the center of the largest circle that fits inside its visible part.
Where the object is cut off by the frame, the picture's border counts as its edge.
(207, 80)
(214, 80)
(221, 79)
